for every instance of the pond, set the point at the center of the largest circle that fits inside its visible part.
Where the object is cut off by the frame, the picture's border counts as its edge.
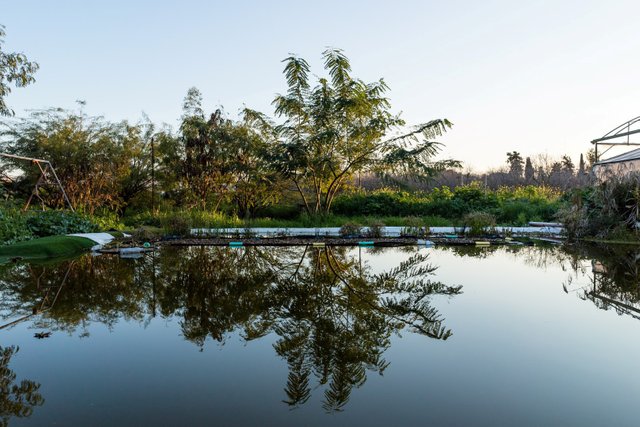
(296, 336)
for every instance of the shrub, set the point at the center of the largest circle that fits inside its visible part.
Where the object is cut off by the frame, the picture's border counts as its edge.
(176, 225)
(53, 222)
(375, 229)
(350, 229)
(17, 226)
(605, 210)
(106, 220)
(414, 227)
(479, 223)
(13, 226)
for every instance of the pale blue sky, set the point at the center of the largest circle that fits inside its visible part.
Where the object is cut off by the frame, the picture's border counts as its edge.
(536, 76)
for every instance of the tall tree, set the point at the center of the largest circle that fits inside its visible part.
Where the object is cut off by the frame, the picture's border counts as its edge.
(581, 169)
(16, 70)
(254, 180)
(528, 171)
(591, 158)
(206, 151)
(515, 161)
(567, 164)
(340, 127)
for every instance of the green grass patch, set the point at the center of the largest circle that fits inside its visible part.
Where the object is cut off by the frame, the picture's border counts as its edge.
(46, 247)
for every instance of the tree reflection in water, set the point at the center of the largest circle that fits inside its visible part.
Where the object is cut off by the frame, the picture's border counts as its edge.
(333, 316)
(16, 400)
(615, 277)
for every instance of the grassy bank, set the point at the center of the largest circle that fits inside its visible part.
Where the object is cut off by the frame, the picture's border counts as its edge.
(46, 247)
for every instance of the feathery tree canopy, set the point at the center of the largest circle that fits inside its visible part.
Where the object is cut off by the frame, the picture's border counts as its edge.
(342, 126)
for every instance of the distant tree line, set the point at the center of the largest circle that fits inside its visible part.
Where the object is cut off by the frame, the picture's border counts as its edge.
(538, 170)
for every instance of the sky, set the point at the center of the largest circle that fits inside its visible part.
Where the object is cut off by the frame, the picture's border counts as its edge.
(535, 76)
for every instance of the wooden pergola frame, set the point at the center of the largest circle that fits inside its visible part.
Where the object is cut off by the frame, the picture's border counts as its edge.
(45, 167)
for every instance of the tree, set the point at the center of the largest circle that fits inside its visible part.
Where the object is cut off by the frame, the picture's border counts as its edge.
(591, 158)
(101, 164)
(581, 169)
(254, 180)
(567, 164)
(514, 159)
(528, 171)
(340, 127)
(15, 69)
(206, 153)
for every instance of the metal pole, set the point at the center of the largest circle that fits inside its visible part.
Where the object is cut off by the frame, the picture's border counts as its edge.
(153, 176)
(64, 193)
(31, 159)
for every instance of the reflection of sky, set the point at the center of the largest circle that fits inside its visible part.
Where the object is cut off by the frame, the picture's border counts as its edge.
(522, 353)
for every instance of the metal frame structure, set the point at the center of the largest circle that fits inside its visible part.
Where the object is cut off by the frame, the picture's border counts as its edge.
(612, 138)
(42, 180)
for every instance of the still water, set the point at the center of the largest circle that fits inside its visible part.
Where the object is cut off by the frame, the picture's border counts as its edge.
(301, 336)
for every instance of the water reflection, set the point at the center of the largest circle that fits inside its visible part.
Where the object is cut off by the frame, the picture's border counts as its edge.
(16, 400)
(332, 314)
(614, 277)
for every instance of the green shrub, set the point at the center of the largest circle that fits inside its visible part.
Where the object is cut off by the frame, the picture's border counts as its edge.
(56, 223)
(176, 225)
(414, 227)
(479, 223)
(13, 226)
(351, 229)
(106, 220)
(609, 210)
(376, 229)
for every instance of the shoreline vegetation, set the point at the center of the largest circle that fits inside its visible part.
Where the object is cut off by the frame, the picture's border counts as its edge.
(332, 154)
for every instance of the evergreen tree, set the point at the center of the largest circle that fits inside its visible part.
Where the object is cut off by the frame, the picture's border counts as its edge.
(514, 159)
(528, 171)
(567, 164)
(581, 169)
